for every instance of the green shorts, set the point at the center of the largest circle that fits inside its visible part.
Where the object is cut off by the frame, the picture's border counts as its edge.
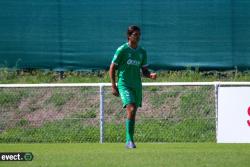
(130, 95)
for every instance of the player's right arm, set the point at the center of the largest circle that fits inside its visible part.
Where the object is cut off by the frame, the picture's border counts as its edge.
(116, 61)
(112, 77)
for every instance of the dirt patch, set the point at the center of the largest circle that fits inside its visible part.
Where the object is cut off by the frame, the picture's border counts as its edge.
(44, 115)
(47, 112)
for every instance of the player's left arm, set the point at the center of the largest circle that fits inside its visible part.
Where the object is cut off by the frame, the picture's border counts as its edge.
(148, 74)
(144, 65)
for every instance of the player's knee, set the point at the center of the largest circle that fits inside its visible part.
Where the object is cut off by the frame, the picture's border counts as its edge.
(131, 111)
(131, 108)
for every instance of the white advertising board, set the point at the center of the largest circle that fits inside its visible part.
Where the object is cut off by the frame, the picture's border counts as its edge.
(233, 115)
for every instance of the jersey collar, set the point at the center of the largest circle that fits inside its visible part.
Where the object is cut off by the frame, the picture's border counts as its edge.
(133, 48)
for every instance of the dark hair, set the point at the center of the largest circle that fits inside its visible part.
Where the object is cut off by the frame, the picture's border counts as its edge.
(131, 29)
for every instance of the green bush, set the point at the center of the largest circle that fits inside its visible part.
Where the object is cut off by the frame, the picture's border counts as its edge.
(66, 130)
(59, 98)
(11, 98)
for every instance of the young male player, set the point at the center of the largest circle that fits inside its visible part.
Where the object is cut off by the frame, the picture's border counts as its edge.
(129, 60)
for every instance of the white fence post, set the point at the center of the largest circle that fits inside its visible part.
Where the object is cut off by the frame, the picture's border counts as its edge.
(101, 113)
(216, 86)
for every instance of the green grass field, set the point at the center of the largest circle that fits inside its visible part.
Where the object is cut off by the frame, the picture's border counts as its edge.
(145, 155)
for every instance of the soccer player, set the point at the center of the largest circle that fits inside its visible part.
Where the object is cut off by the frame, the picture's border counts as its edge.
(130, 59)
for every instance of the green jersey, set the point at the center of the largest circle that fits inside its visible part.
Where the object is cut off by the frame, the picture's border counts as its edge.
(129, 62)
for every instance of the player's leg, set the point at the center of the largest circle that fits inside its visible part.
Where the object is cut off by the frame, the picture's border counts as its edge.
(130, 124)
(128, 100)
(132, 109)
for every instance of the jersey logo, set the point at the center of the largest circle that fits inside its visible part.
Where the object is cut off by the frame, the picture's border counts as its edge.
(133, 62)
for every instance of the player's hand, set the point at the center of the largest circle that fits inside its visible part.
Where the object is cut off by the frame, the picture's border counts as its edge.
(115, 91)
(153, 75)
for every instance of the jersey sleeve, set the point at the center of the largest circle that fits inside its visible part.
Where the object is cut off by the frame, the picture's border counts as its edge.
(117, 57)
(144, 60)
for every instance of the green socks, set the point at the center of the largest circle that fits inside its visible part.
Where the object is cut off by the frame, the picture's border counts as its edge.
(130, 129)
